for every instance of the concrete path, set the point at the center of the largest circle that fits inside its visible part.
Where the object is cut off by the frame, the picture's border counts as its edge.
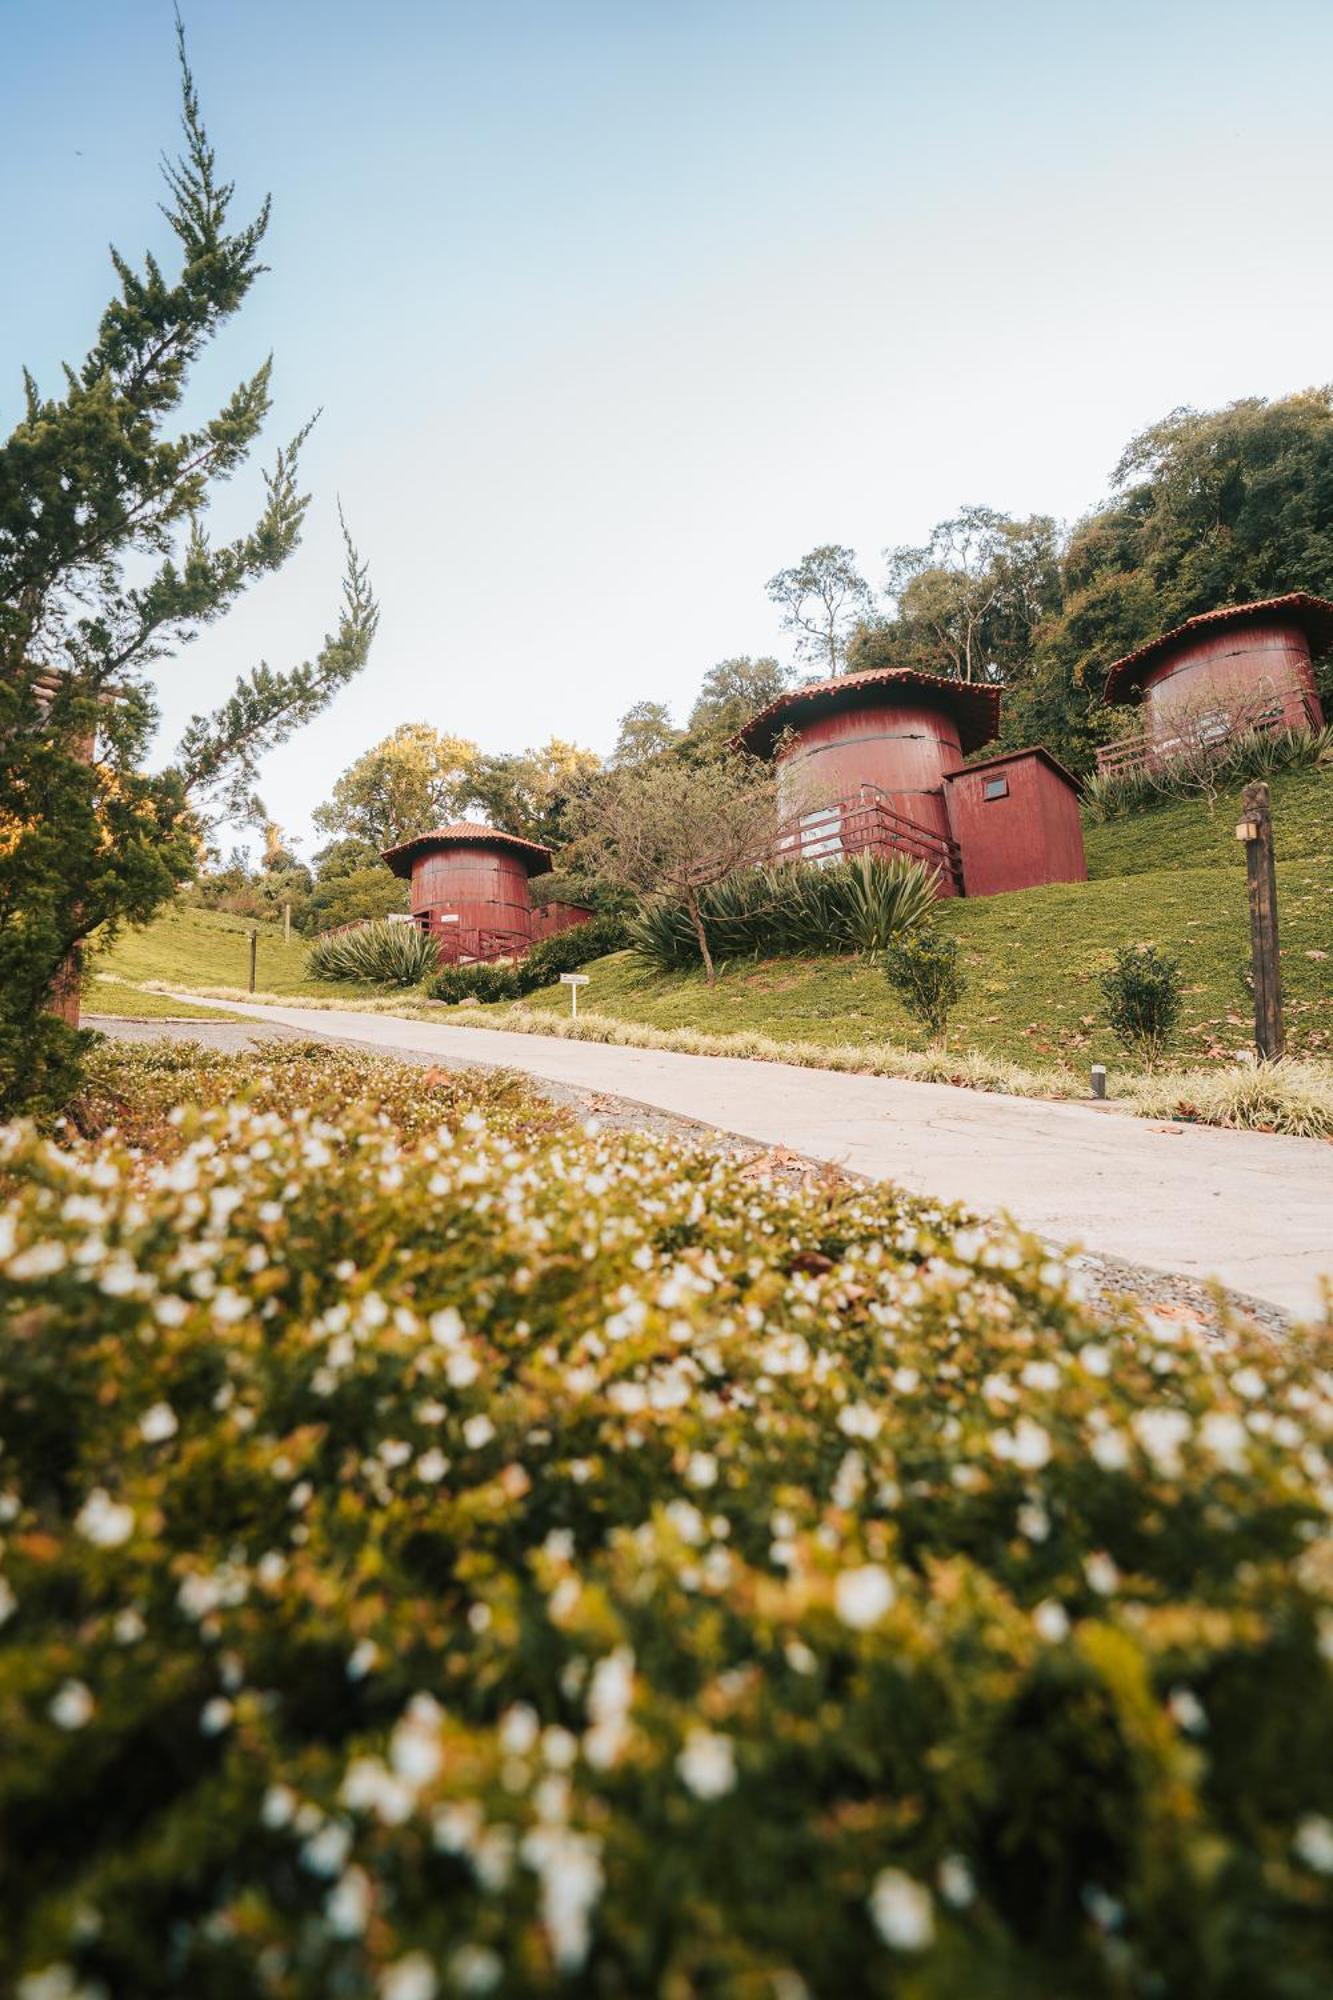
(1250, 1209)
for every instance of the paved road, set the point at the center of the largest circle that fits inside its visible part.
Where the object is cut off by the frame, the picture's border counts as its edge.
(1247, 1208)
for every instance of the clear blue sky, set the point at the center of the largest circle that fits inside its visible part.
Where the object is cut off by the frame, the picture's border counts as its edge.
(614, 307)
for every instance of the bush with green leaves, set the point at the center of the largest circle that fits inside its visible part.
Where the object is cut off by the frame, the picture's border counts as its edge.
(540, 966)
(447, 1549)
(923, 970)
(378, 954)
(1143, 997)
(799, 909)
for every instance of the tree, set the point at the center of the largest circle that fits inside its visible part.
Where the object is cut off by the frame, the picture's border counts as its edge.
(733, 692)
(822, 597)
(646, 731)
(529, 793)
(352, 885)
(106, 567)
(674, 828)
(415, 779)
(967, 602)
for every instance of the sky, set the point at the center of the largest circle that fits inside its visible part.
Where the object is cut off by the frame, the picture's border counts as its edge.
(612, 308)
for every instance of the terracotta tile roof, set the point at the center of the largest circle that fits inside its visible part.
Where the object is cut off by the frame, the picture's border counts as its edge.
(975, 708)
(467, 833)
(1012, 757)
(1314, 615)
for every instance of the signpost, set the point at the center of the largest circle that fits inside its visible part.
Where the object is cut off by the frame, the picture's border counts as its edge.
(573, 980)
(254, 957)
(1256, 830)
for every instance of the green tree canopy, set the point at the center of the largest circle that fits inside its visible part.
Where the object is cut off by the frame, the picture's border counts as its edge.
(106, 570)
(733, 691)
(529, 793)
(415, 779)
(646, 731)
(822, 599)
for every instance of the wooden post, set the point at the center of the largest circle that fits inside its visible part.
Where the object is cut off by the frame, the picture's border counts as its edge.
(286, 923)
(1256, 830)
(254, 957)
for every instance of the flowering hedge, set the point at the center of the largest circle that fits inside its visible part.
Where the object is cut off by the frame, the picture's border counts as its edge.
(448, 1550)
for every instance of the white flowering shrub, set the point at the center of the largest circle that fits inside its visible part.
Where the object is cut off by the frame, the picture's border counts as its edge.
(449, 1551)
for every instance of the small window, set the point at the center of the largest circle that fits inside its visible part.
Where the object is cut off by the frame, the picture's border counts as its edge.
(995, 788)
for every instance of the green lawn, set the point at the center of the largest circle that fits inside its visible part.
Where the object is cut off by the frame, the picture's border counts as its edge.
(1185, 834)
(189, 947)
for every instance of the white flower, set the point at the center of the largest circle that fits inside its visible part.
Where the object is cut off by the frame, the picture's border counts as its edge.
(1248, 1382)
(410, 1978)
(415, 1750)
(1102, 1574)
(1032, 1445)
(478, 1432)
(1095, 1359)
(446, 1327)
(347, 1907)
(957, 1883)
(462, 1369)
(363, 1657)
(1161, 1433)
(1187, 1711)
(158, 1424)
(1226, 1437)
(1312, 1843)
(40, 1260)
(707, 1764)
(327, 1850)
(903, 1911)
(1051, 1621)
(104, 1521)
(862, 1596)
(475, 1969)
(702, 1469)
(859, 1420)
(71, 1705)
(215, 1715)
(569, 1869)
(519, 1729)
(279, 1806)
(432, 1466)
(1110, 1451)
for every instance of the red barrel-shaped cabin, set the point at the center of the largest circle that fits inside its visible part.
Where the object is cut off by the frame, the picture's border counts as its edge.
(877, 760)
(469, 887)
(1245, 666)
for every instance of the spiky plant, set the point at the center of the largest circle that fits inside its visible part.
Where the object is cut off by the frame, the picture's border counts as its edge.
(795, 910)
(379, 954)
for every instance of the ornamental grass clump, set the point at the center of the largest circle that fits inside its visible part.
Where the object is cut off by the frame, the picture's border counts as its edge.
(858, 905)
(448, 1549)
(377, 954)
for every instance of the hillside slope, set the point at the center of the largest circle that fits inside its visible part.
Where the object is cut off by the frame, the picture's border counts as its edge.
(1173, 877)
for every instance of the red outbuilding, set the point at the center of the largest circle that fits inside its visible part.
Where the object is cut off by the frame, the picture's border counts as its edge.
(1245, 666)
(877, 761)
(470, 887)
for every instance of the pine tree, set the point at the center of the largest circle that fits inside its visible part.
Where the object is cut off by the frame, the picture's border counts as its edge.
(107, 567)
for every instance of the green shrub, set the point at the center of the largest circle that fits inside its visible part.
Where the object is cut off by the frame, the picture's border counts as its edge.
(378, 954)
(446, 1549)
(923, 970)
(853, 906)
(1143, 999)
(541, 966)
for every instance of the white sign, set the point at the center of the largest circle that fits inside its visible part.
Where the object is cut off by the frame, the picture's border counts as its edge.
(573, 980)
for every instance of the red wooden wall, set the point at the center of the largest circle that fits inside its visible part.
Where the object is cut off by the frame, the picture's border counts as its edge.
(905, 748)
(1229, 667)
(485, 888)
(1029, 835)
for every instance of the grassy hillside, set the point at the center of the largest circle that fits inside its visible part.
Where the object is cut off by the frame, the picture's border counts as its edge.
(1173, 877)
(189, 947)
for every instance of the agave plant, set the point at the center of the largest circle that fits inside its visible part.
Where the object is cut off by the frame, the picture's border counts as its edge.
(376, 954)
(857, 905)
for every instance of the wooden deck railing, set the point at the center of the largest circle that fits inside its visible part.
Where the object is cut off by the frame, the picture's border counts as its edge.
(1198, 735)
(865, 823)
